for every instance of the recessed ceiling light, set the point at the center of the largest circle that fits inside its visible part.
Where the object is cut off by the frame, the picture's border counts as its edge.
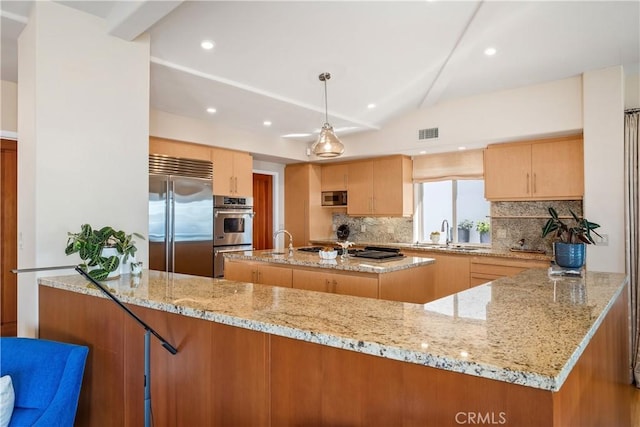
(207, 44)
(266, 123)
(211, 110)
(490, 51)
(371, 106)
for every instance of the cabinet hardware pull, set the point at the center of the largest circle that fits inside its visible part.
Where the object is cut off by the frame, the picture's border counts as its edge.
(231, 184)
(527, 183)
(534, 184)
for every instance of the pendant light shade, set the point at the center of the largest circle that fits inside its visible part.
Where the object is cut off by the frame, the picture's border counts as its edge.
(328, 144)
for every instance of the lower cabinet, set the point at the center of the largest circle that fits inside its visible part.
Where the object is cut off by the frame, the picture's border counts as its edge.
(485, 269)
(360, 285)
(257, 272)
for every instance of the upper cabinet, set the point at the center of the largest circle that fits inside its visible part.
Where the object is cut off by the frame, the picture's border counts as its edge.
(380, 187)
(551, 169)
(232, 173)
(335, 177)
(232, 170)
(180, 149)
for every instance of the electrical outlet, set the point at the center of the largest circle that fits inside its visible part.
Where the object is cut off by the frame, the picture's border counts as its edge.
(363, 228)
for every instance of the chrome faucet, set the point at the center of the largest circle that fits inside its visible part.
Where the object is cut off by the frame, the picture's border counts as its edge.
(275, 235)
(447, 236)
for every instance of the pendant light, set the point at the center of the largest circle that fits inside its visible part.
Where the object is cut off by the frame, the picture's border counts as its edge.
(328, 144)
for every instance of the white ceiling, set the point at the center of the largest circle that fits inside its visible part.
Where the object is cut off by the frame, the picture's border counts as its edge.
(400, 56)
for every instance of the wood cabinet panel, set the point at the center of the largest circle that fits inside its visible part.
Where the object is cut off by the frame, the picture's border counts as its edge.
(232, 173)
(304, 216)
(415, 285)
(380, 186)
(180, 149)
(551, 169)
(335, 177)
(485, 269)
(360, 285)
(256, 272)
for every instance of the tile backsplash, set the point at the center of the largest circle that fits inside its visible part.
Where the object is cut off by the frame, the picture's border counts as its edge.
(376, 229)
(510, 222)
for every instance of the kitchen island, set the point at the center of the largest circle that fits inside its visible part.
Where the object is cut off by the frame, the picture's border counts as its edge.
(524, 350)
(397, 278)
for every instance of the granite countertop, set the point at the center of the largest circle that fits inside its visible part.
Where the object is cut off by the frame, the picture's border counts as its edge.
(529, 329)
(464, 249)
(312, 259)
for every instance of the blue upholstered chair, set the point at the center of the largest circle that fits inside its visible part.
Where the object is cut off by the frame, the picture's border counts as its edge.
(46, 376)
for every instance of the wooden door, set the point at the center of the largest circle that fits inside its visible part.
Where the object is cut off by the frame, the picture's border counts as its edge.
(263, 207)
(507, 172)
(8, 237)
(360, 198)
(558, 169)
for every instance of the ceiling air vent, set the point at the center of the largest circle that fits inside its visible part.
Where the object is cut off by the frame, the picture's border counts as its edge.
(431, 133)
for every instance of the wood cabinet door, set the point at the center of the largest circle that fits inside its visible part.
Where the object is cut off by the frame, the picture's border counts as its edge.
(335, 177)
(347, 284)
(558, 169)
(180, 149)
(240, 271)
(388, 191)
(242, 174)
(507, 172)
(274, 275)
(296, 202)
(310, 280)
(222, 172)
(360, 198)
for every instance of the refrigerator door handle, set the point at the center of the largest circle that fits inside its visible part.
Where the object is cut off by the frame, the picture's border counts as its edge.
(173, 226)
(167, 228)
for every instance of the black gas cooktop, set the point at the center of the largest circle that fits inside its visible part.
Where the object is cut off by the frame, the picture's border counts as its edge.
(369, 252)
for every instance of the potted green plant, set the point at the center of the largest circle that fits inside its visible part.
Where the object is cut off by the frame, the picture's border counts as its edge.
(464, 227)
(102, 250)
(569, 247)
(483, 228)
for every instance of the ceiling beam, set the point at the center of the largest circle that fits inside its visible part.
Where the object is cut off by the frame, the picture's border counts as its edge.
(127, 20)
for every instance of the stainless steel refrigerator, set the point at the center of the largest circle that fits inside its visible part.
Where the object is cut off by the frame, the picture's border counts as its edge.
(180, 215)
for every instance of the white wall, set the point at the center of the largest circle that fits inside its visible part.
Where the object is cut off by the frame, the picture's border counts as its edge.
(171, 126)
(83, 139)
(604, 165)
(548, 109)
(9, 107)
(632, 91)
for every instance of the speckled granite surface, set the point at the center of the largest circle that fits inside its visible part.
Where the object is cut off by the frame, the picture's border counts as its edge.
(528, 329)
(428, 248)
(310, 259)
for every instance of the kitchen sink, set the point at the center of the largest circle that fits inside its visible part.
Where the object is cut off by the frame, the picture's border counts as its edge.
(275, 253)
(461, 249)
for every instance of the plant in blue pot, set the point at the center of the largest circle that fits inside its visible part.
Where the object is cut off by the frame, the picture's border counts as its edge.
(570, 246)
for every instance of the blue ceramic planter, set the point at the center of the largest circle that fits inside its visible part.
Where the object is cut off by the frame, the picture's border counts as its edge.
(570, 255)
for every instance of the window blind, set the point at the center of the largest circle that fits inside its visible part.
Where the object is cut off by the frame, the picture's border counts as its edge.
(467, 164)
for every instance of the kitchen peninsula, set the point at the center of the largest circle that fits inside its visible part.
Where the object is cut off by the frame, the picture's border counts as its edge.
(524, 350)
(397, 278)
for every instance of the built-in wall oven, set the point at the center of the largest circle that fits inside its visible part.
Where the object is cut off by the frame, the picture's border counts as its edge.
(232, 228)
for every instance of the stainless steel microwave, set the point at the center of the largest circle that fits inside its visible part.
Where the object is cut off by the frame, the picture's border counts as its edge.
(334, 198)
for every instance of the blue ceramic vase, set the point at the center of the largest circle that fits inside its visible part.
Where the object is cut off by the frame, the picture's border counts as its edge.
(569, 255)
